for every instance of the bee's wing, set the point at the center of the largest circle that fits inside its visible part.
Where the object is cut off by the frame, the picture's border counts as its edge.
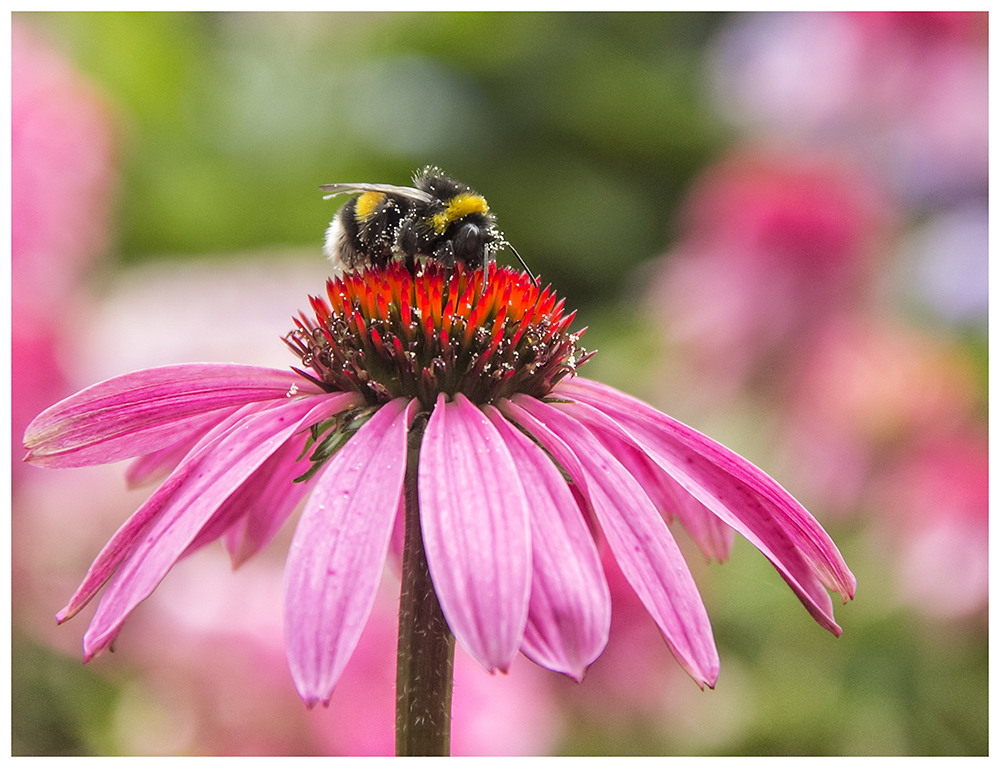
(388, 189)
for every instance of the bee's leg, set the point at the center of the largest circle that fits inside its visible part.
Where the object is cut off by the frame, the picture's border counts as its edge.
(411, 263)
(445, 254)
(406, 244)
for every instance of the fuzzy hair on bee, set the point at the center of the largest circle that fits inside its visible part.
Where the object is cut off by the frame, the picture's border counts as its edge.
(437, 219)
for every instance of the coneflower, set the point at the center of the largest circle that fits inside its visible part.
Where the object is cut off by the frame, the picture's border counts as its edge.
(446, 400)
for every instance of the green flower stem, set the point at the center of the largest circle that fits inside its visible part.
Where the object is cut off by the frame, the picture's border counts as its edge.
(426, 646)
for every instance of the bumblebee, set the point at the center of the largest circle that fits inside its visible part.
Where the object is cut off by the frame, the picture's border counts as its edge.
(437, 219)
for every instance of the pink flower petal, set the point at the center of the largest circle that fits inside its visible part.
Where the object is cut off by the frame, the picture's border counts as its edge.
(269, 504)
(713, 537)
(734, 489)
(638, 536)
(121, 543)
(150, 466)
(722, 494)
(398, 540)
(474, 520)
(216, 469)
(145, 411)
(250, 517)
(569, 615)
(339, 550)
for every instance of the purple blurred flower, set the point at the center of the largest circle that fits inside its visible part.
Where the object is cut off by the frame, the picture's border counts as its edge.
(519, 465)
(945, 264)
(909, 91)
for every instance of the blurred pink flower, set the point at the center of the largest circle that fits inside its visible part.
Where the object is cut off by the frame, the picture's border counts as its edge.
(868, 389)
(37, 378)
(212, 676)
(772, 245)
(507, 580)
(62, 179)
(937, 514)
(62, 172)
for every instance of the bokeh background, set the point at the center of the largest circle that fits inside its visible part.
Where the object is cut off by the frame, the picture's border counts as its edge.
(773, 225)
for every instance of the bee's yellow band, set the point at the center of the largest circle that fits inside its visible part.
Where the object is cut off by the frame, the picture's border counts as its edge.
(459, 207)
(368, 204)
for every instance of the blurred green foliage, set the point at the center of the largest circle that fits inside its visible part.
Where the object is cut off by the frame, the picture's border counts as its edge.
(58, 706)
(581, 129)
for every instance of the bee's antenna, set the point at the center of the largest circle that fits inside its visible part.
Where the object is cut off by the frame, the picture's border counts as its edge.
(526, 269)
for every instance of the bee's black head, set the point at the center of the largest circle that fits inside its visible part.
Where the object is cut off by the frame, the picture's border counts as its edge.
(470, 243)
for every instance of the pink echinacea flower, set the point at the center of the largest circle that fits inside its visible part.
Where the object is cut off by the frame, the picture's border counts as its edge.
(524, 471)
